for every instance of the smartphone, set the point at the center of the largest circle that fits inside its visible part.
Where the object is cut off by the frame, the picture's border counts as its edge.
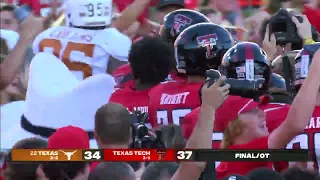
(22, 12)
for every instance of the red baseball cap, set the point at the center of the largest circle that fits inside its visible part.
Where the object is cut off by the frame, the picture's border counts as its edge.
(69, 137)
(233, 106)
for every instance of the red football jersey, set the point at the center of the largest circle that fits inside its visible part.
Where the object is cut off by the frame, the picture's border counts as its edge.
(242, 168)
(310, 138)
(171, 101)
(124, 77)
(132, 99)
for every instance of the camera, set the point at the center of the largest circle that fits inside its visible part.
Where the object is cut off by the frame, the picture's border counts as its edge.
(244, 88)
(284, 29)
(22, 13)
(141, 137)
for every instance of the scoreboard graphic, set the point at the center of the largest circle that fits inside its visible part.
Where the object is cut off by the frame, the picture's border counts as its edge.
(113, 155)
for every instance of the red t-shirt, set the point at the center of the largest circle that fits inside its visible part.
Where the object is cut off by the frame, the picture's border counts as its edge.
(124, 77)
(132, 99)
(313, 16)
(171, 101)
(242, 168)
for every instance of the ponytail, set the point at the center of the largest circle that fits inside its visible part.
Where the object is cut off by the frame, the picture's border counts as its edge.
(233, 130)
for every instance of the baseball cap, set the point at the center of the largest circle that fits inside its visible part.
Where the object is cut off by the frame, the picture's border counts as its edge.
(233, 106)
(163, 3)
(264, 174)
(235, 177)
(69, 137)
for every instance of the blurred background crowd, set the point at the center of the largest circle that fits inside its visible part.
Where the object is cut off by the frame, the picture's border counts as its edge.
(81, 74)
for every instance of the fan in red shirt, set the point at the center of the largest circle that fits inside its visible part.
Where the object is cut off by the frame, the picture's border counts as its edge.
(174, 23)
(198, 48)
(151, 60)
(244, 122)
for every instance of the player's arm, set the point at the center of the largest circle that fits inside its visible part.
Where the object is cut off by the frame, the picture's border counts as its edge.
(130, 14)
(299, 115)
(114, 64)
(201, 137)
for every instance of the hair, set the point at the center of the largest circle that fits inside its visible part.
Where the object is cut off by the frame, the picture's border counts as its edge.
(113, 124)
(172, 136)
(297, 174)
(151, 60)
(159, 170)
(112, 171)
(7, 7)
(24, 170)
(63, 170)
(233, 130)
(273, 6)
(4, 49)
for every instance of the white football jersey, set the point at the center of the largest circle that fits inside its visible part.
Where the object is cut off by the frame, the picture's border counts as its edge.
(84, 52)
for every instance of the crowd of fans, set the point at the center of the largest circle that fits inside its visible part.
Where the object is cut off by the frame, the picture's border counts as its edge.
(207, 74)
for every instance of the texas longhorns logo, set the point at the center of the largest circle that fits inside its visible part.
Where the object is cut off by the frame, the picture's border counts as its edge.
(68, 154)
(208, 41)
(180, 21)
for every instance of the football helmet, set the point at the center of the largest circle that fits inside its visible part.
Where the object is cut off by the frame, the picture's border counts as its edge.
(303, 61)
(177, 21)
(201, 47)
(84, 13)
(247, 61)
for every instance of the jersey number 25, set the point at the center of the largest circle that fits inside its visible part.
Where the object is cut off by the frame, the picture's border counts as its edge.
(56, 45)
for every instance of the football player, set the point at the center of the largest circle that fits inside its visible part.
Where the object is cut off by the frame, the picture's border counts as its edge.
(310, 138)
(197, 49)
(174, 23)
(151, 60)
(87, 46)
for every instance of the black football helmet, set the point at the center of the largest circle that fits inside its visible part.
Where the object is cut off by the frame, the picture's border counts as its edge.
(248, 61)
(177, 21)
(303, 61)
(201, 47)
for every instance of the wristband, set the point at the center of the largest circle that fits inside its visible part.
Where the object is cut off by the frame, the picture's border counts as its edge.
(308, 40)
